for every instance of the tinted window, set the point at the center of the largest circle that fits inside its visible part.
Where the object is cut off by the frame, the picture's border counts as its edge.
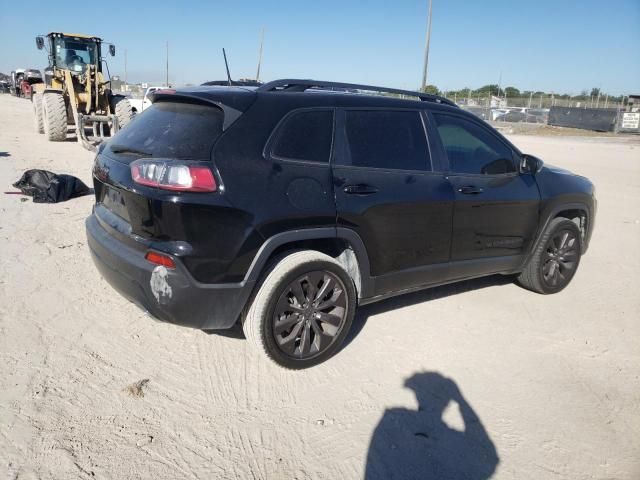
(305, 136)
(471, 148)
(172, 130)
(386, 139)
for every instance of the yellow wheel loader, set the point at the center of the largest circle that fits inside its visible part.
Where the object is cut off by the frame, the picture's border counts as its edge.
(75, 91)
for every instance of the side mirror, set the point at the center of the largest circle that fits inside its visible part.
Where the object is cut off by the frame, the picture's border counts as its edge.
(40, 43)
(530, 164)
(112, 50)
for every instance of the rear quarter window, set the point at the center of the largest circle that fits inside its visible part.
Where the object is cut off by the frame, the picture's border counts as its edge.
(172, 130)
(305, 135)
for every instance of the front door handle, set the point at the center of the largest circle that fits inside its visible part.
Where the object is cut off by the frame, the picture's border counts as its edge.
(470, 190)
(360, 189)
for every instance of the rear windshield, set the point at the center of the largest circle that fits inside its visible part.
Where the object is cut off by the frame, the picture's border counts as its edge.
(171, 130)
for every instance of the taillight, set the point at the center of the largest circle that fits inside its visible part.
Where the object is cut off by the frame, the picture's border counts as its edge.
(172, 175)
(160, 259)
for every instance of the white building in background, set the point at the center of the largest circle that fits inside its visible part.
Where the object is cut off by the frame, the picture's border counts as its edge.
(497, 102)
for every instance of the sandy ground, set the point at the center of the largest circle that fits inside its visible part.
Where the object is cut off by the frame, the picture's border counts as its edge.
(91, 387)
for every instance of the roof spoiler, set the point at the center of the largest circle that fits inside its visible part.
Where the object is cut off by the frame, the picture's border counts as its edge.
(230, 114)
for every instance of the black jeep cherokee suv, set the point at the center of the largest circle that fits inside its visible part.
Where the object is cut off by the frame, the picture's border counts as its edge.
(287, 206)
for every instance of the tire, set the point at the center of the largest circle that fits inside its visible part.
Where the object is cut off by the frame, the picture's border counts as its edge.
(280, 336)
(123, 112)
(55, 117)
(555, 259)
(38, 120)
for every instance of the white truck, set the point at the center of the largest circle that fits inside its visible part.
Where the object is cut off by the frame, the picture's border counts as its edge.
(139, 104)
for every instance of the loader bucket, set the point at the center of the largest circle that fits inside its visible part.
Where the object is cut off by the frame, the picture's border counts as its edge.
(98, 123)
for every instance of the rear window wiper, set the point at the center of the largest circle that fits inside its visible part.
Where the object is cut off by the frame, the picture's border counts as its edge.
(125, 149)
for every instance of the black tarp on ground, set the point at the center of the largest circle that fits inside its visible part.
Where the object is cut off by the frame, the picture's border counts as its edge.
(598, 119)
(48, 187)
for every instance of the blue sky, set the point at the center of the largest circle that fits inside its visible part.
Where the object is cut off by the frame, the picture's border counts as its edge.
(561, 46)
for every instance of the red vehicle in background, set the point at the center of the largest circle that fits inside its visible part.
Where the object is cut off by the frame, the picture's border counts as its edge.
(23, 81)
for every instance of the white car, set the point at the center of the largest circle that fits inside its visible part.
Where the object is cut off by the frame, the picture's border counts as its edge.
(139, 104)
(497, 112)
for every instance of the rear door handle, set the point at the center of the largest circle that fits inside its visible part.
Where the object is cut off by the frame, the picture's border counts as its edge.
(470, 190)
(360, 189)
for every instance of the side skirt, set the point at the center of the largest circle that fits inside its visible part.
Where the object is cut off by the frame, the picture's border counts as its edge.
(419, 278)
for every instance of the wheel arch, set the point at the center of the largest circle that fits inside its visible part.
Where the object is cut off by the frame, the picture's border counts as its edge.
(343, 244)
(580, 213)
(579, 216)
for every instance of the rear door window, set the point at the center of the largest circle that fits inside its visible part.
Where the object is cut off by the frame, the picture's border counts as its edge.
(472, 149)
(389, 139)
(171, 130)
(305, 135)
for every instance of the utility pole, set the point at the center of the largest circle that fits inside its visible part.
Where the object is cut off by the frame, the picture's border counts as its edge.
(125, 67)
(426, 49)
(260, 55)
(621, 105)
(530, 97)
(167, 63)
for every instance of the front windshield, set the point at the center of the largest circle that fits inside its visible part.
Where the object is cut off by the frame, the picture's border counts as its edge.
(74, 54)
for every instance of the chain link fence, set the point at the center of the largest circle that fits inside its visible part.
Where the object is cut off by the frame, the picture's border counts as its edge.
(599, 113)
(538, 101)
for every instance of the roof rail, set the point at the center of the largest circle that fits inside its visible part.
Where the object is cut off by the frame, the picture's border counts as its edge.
(297, 85)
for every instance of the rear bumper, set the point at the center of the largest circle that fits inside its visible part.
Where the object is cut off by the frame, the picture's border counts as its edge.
(170, 295)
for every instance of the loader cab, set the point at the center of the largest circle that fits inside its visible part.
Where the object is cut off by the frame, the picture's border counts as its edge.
(73, 52)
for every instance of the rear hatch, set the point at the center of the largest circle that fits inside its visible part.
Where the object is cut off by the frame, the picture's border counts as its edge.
(169, 129)
(178, 127)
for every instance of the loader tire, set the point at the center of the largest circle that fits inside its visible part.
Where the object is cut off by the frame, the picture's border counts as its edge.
(38, 121)
(55, 117)
(124, 113)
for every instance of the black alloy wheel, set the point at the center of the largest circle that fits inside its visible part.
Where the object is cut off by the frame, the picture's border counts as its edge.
(310, 314)
(561, 259)
(555, 259)
(302, 309)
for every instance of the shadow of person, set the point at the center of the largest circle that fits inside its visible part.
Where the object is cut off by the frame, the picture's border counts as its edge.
(419, 444)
